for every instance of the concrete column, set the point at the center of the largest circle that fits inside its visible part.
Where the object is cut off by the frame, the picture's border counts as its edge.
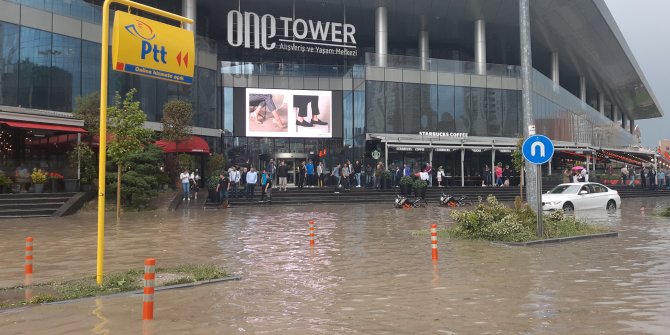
(623, 120)
(188, 10)
(386, 155)
(424, 44)
(480, 47)
(554, 69)
(462, 167)
(381, 35)
(615, 114)
(582, 88)
(601, 103)
(632, 126)
(493, 165)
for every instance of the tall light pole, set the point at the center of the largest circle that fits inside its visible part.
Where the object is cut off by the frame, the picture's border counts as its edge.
(533, 173)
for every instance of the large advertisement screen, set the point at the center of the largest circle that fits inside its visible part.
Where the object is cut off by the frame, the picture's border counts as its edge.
(289, 113)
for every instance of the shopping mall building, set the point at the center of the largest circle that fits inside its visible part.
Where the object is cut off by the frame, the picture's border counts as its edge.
(414, 82)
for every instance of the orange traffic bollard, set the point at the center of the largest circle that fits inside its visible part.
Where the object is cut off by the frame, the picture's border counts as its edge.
(149, 284)
(311, 233)
(433, 239)
(28, 266)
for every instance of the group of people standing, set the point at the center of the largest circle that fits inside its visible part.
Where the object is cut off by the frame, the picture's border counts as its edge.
(190, 184)
(503, 176)
(649, 178)
(241, 182)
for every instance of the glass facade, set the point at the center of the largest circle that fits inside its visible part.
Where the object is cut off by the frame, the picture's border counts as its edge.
(45, 70)
(404, 108)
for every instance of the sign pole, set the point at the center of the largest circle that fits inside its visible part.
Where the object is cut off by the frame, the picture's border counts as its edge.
(102, 155)
(538, 150)
(540, 223)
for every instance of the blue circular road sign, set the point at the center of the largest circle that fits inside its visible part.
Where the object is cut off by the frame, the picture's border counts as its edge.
(537, 149)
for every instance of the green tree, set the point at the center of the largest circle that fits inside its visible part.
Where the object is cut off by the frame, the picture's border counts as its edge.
(141, 178)
(177, 123)
(215, 164)
(84, 158)
(126, 124)
(88, 109)
(518, 162)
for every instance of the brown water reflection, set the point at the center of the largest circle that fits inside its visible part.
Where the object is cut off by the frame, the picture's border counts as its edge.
(366, 275)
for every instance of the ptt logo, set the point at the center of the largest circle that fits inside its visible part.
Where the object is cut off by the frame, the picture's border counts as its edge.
(146, 33)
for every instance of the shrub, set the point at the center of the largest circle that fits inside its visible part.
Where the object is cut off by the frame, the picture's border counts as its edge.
(38, 176)
(141, 179)
(212, 182)
(215, 164)
(494, 221)
(418, 184)
(4, 180)
(55, 175)
(406, 180)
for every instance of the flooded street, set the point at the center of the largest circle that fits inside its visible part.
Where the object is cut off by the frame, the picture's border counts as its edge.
(368, 274)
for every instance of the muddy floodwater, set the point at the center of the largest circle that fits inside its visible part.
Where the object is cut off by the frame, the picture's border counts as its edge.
(367, 274)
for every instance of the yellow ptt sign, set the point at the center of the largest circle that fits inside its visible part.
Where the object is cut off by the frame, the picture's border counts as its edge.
(151, 48)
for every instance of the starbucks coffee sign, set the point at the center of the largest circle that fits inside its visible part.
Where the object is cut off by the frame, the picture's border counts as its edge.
(254, 31)
(442, 134)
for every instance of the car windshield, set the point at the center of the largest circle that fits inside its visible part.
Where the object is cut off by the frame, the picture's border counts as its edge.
(565, 189)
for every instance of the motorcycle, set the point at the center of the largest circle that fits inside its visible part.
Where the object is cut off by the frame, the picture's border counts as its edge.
(402, 202)
(448, 200)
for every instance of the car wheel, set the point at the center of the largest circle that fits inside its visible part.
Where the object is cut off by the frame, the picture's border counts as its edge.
(568, 207)
(611, 205)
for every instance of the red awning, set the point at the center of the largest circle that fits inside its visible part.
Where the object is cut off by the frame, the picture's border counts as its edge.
(193, 144)
(53, 127)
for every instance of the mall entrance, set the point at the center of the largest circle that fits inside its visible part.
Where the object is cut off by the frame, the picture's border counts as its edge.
(292, 161)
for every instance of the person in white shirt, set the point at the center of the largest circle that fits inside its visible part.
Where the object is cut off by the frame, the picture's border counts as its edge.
(252, 178)
(185, 180)
(195, 183)
(234, 177)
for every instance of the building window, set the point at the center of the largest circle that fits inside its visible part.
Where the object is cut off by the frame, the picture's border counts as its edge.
(65, 72)
(9, 63)
(35, 68)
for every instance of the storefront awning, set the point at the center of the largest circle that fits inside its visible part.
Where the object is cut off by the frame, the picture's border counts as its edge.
(43, 126)
(194, 144)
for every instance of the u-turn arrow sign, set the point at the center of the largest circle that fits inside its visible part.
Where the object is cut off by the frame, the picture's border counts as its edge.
(537, 149)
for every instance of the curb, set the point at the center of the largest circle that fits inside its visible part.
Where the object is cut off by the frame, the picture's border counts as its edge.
(136, 292)
(559, 240)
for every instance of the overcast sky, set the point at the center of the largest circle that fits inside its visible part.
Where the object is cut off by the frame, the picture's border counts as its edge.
(645, 25)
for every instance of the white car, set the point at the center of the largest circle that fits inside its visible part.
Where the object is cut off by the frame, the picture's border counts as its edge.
(572, 196)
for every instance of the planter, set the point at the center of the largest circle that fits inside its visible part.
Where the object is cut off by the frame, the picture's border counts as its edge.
(55, 185)
(420, 192)
(213, 195)
(405, 190)
(71, 185)
(38, 188)
(87, 187)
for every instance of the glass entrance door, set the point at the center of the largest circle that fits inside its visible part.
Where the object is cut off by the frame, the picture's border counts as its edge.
(290, 165)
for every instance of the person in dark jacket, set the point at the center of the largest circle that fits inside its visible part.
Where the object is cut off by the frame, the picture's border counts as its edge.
(282, 173)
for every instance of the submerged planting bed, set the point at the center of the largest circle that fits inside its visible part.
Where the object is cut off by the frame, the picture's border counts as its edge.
(120, 282)
(493, 221)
